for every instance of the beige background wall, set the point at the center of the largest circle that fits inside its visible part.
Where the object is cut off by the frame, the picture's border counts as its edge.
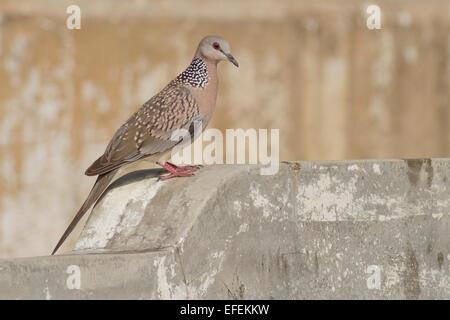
(334, 88)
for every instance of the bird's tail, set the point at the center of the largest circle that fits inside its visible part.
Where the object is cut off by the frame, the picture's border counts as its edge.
(99, 187)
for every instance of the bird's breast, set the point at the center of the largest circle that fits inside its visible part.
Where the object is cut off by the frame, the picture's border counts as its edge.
(206, 99)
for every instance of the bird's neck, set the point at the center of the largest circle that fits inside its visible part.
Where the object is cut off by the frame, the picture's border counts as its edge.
(196, 74)
(206, 94)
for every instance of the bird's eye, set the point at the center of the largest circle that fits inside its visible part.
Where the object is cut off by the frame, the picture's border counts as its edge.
(216, 45)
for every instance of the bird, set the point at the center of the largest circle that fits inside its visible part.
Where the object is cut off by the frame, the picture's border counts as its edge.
(189, 99)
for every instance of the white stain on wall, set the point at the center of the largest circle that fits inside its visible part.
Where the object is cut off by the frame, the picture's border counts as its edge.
(260, 200)
(111, 219)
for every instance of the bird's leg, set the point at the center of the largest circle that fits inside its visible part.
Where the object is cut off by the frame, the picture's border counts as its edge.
(177, 171)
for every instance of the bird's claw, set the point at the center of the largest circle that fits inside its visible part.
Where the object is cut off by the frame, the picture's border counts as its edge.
(176, 171)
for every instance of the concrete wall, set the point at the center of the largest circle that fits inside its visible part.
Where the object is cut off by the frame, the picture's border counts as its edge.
(315, 230)
(335, 89)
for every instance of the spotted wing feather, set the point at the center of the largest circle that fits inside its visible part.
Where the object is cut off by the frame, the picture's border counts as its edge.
(149, 130)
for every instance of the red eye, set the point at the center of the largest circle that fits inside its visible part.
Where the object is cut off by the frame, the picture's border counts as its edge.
(216, 45)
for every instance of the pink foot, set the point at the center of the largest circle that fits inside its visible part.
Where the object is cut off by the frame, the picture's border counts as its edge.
(176, 171)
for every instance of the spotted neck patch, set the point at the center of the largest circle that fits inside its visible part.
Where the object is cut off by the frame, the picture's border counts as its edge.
(195, 75)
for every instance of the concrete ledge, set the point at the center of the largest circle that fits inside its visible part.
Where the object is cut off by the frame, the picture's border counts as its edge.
(316, 230)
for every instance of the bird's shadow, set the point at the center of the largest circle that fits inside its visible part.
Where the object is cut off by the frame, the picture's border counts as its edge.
(132, 177)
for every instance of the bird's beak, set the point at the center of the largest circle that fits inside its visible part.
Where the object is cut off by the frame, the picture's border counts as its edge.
(232, 59)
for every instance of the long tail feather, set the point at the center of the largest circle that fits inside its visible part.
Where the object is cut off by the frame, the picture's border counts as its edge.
(99, 187)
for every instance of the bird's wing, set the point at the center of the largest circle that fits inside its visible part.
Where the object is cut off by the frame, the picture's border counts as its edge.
(149, 130)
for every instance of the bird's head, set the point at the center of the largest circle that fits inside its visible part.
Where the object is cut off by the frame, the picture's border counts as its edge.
(215, 48)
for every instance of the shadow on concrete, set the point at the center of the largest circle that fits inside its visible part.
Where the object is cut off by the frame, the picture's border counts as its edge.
(132, 177)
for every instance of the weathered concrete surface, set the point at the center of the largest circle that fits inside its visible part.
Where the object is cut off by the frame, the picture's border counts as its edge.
(321, 230)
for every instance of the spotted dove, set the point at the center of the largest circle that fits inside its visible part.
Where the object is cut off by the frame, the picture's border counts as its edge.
(189, 98)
